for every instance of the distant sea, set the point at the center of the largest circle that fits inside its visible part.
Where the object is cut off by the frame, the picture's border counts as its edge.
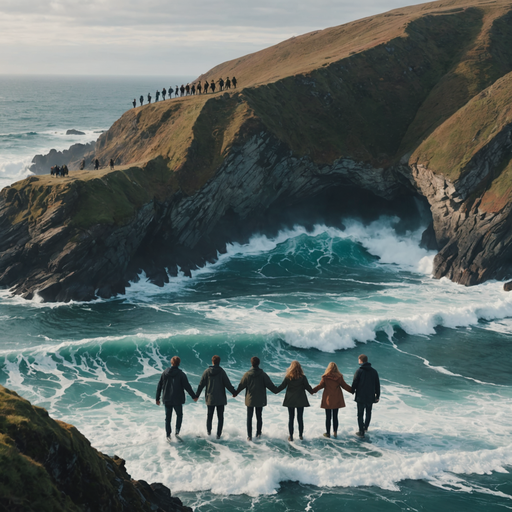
(441, 436)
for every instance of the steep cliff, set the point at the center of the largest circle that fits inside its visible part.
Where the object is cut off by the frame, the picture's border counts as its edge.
(47, 465)
(364, 116)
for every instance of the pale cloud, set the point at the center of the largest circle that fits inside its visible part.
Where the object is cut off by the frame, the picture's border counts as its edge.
(133, 37)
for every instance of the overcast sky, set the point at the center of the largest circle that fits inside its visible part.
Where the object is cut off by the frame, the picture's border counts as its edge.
(156, 37)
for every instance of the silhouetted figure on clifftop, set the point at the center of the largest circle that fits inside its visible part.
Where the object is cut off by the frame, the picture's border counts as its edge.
(206, 85)
(96, 164)
(228, 83)
(164, 93)
(221, 84)
(149, 98)
(212, 86)
(199, 87)
(157, 95)
(134, 102)
(141, 99)
(182, 89)
(233, 81)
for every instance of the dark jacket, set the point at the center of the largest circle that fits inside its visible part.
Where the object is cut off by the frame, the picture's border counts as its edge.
(173, 383)
(216, 382)
(366, 384)
(295, 392)
(256, 382)
(332, 397)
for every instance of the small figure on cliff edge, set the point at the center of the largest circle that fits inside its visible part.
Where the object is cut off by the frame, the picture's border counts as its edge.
(149, 98)
(212, 86)
(96, 164)
(206, 85)
(199, 87)
(164, 92)
(233, 81)
(182, 89)
(157, 95)
(141, 99)
(228, 83)
(176, 92)
(134, 102)
(111, 163)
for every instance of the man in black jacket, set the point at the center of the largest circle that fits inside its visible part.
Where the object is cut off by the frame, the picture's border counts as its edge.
(255, 382)
(173, 383)
(366, 386)
(216, 382)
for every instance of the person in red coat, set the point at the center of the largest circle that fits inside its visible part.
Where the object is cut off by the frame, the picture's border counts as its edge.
(332, 398)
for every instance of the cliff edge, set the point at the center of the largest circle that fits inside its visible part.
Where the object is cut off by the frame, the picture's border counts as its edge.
(359, 117)
(48, 465)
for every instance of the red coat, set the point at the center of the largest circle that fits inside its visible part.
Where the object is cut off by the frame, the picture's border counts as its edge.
(332, 397)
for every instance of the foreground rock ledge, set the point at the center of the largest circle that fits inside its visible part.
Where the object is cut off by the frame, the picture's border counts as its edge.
(48, 465)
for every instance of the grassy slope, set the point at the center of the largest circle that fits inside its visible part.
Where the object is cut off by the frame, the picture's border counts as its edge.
(451, 147)
(372, 90)
(26, 434)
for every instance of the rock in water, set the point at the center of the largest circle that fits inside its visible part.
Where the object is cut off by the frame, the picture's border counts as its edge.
(507, 286)
(74, 132)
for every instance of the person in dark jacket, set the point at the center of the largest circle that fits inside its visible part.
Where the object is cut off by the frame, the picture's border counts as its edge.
(296, 384)
(255, 382)
(141, 99)
(172, 386)
(332, 398)
(366, 386)
(216, 382)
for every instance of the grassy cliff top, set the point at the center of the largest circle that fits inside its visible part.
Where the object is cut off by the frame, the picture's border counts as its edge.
(375, 90)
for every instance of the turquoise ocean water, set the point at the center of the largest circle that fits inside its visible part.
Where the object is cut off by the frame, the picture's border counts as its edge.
(440, 438)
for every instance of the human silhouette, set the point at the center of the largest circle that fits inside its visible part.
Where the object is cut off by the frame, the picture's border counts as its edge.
(176, 92)
(233, 81)
(96, 164)
(164, 92)
(199, 87)
(193, 89)
(182, 89)
(134, 102)
(149, 98)
(221, 84)
(111, 163)
(170, 92)
(206, 85)
(228, 83)
(187, 89)
(212, 86)
(141, 99)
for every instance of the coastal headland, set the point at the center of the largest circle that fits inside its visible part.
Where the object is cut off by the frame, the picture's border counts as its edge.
(367, 117)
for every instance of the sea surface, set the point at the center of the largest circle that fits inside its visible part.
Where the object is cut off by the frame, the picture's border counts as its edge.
(440, 438)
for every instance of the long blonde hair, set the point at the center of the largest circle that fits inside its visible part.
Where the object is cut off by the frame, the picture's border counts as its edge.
(332, 369)
(294, 371)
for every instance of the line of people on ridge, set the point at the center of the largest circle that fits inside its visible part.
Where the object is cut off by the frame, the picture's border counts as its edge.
(64, 171)
(59, 171)
(365, 385)
(190, 90)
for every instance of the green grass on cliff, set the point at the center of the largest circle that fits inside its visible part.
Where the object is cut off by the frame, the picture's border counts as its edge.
(25, 485)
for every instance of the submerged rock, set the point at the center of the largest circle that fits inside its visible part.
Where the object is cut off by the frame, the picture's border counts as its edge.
(74, 132)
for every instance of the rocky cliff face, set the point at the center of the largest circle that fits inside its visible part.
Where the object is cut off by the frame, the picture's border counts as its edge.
(47, 465)
(411, 103)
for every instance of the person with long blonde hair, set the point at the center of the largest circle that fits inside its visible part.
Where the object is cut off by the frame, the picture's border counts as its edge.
(332, 399)
(296, 384)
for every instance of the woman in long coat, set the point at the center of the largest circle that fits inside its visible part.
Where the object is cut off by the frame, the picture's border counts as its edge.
(332, 398)
(296, 384)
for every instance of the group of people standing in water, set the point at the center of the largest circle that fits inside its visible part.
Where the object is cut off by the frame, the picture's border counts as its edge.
(365, 386)
(190, 90)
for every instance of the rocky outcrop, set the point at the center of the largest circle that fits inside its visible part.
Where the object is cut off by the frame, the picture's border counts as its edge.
(48, 465)
(41, 164)
(360, 118)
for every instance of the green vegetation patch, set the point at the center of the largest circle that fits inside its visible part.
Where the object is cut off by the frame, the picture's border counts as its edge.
(451, 147)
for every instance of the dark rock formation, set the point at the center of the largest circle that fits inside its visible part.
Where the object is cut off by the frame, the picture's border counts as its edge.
(358, 118)
(48, 465)
(41, 164)
(74, 132)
